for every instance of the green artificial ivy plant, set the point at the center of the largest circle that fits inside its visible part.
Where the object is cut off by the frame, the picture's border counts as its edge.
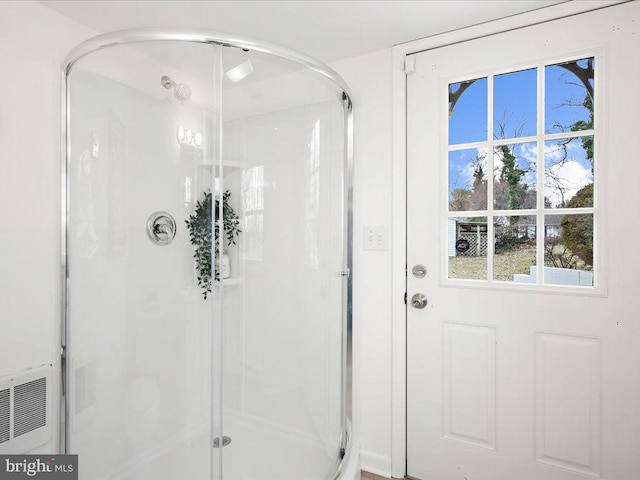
(199, 225)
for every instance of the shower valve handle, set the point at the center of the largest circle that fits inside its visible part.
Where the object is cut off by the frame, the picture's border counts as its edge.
(161, 228)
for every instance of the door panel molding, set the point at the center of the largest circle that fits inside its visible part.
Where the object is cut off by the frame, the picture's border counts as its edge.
(568, 403)
(469, 360)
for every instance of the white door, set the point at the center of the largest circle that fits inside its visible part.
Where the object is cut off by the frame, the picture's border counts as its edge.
(523, 197)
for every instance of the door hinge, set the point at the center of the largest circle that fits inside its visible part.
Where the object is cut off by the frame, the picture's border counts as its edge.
(405, 298)
(345, 273)
(409, 64)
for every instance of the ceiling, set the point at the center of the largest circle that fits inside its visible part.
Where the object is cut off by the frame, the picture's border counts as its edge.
(327, 30)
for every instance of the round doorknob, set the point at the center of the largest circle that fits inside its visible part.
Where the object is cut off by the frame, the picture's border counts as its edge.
(419, 301)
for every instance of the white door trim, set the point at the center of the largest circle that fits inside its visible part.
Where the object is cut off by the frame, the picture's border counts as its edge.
(399, 227)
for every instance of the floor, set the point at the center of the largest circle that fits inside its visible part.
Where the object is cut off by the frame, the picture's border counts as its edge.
(371, 476)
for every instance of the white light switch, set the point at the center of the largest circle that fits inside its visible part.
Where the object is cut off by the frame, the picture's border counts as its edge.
(376, 237)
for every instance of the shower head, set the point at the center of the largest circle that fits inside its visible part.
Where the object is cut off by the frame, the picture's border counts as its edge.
(181, 91)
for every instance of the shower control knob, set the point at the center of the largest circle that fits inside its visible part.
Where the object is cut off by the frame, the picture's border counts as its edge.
(161, 228)
(419, 301)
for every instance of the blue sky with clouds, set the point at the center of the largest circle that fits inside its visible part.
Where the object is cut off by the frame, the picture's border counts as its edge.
(515, 111)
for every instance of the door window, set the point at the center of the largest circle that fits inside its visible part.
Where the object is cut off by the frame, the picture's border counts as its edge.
(522, 199)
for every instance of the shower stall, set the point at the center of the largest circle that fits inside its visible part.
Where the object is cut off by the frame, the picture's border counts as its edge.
(206, 260)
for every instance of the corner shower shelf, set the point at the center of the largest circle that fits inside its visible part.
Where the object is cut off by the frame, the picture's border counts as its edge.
(194, 294)
(226, 163)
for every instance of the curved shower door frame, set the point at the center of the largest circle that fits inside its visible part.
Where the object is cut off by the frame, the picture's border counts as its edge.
(131, 36)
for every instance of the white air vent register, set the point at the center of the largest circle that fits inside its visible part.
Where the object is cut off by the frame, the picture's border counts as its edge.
(25, 414)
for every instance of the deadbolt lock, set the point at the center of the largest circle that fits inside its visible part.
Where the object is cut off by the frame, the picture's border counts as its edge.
(419, 271)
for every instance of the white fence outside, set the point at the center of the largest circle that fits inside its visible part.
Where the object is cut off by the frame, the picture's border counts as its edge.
(557, 276)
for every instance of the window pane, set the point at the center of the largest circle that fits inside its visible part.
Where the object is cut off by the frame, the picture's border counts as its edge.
(568, 173)
(514, 177)
(568, 250)
(514, 259)
(468, 180)
(468, 111)
(568, 100)
(515, 104)
(467, 248)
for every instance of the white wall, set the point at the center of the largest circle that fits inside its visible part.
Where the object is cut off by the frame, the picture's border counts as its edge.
(369, 77)
(33, 42)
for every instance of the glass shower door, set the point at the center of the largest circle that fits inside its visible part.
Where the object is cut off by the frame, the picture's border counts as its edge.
(139, 338)
(283, 363)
